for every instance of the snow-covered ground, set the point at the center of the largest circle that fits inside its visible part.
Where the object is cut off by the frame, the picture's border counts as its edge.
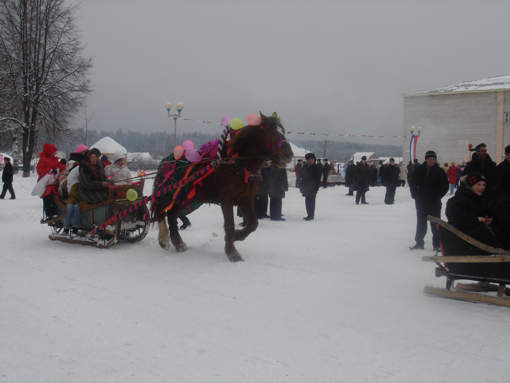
(337, 299)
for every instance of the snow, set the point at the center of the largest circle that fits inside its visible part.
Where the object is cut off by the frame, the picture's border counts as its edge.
(336, 299)
(298, 152)
(108, 145)
(501, 82)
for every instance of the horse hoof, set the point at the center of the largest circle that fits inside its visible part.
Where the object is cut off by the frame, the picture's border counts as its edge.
(235, 258)
(181, 247)
(164, 246)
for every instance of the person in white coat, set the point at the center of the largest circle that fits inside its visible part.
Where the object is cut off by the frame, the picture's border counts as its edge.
(402, 177)
(118, 171)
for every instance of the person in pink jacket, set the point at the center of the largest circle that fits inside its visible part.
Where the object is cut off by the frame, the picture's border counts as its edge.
(49, 163)
(451, 173)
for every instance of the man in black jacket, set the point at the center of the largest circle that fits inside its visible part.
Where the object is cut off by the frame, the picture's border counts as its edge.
(362, 173)
(310, 184)
(392, 173)
(7, 177)
(504, 166)
(428, 185)
(481, 162)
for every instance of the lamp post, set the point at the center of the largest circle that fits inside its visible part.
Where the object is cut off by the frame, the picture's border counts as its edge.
(413, 142)
(179, 106)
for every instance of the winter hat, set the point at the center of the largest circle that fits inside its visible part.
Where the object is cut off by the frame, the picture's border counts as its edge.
(117, 156)
(299, 160)
(364, 158)
(473, 178)
(430, 153)
(80, 149)
(309, 155)
(504, 181)
(96, 151)
(49, 149)
(392, 159)
(507, 149)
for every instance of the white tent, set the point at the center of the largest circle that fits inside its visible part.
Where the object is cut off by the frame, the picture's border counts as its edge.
(108, 146)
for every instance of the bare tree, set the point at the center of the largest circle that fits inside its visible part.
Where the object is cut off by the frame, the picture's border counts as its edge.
(42, 73)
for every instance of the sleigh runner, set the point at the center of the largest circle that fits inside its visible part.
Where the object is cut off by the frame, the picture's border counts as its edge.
(464, 258)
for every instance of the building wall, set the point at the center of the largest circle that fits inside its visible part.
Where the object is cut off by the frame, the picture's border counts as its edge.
(450, 122)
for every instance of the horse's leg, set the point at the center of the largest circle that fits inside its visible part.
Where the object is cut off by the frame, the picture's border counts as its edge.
(175, 237)
(227, 208)
(248, 210)
(163, 232)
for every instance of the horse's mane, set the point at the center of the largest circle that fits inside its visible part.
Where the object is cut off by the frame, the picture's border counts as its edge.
(246, 137)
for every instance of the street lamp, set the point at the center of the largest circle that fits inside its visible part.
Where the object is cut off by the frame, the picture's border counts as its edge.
(413, 142)
(179, 106)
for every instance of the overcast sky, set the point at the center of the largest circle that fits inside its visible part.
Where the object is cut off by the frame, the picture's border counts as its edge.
(324, 66)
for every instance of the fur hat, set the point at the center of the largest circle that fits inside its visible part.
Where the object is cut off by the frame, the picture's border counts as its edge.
(364, 158)
(118, 155)
(80, 149)
(430, 153)
(309, 155)
(504, 181)
(473, 178)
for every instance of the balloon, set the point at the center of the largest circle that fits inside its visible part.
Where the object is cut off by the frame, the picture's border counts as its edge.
(192, 155)
(236, 124)
(187, 145)
(1, 158)
(253, 119)
(225, 120)
(131, 195)
(178, 152)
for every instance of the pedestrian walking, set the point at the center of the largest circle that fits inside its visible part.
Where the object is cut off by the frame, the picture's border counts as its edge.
(310, 184)
(7, 178)
(362, 173)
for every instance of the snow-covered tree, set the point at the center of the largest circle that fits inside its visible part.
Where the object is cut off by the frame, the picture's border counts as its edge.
(43, 75)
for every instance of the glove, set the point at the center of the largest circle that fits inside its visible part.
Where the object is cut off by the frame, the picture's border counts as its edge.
(53, 171)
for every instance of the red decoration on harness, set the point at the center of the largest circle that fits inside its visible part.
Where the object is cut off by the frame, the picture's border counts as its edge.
(270, 145)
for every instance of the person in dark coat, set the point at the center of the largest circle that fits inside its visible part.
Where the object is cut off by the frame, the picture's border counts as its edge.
(469, 212)
(7, 178)
(481, 162)
(500, 204)
(410, 171)
(416, 163)
(350, 179)
(504, 165)
(373, 174)
(362, 173)
(428, 185)
(310, 184)
(325, 173)
(93, 181)
(392, 173)
(277, 186)
(297, 171)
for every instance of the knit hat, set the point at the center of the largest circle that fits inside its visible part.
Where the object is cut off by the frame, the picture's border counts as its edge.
(364, 158)
(96, 151)
(473, 178)
(309, 155)
(117, 156)
(504, 181)
(49, 149)
(80, 149)
(430, 153)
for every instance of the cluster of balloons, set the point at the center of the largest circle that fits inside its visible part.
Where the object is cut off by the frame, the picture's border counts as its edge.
(236, 123)
(188, 151)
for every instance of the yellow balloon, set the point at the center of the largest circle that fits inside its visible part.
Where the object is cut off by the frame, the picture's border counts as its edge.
(236, 123)
(131, 195)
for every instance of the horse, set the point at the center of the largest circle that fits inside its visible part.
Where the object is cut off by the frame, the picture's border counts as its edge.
(234, 182)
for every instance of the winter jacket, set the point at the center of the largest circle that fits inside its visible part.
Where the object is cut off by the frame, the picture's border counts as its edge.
(500, 207)
(7, 174)
(326, 169)
(310, 180)
(362, 173)
(403, 173)
(428, 184)
(277, 182)
(91, 183)
(503, 167)
(47, 163)
(452, 174)
(392, 173)
(464, 208)
(349, 174)
(297, 169)
(410, 171)
(120, 174)
(488, 168)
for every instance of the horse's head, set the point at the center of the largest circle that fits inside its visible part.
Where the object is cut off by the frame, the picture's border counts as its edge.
(280, 152)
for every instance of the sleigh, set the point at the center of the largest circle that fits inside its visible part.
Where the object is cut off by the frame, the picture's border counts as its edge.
(132, 227)
(463, 258)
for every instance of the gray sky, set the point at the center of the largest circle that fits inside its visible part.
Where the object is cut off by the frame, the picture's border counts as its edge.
(325, 66)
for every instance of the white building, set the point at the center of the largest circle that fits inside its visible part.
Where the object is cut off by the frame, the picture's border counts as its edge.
(455, 116)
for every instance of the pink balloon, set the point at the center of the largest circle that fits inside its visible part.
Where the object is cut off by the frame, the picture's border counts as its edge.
(225, 120)
(187, 145)
(1, 158)
(192, 155)
(253, 119)
(178, 152)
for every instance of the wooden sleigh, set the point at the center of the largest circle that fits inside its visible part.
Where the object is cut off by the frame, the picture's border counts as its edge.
(133, 227)
(465, 258)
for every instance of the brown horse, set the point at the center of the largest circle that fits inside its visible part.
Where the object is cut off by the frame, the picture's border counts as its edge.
(234, 183)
